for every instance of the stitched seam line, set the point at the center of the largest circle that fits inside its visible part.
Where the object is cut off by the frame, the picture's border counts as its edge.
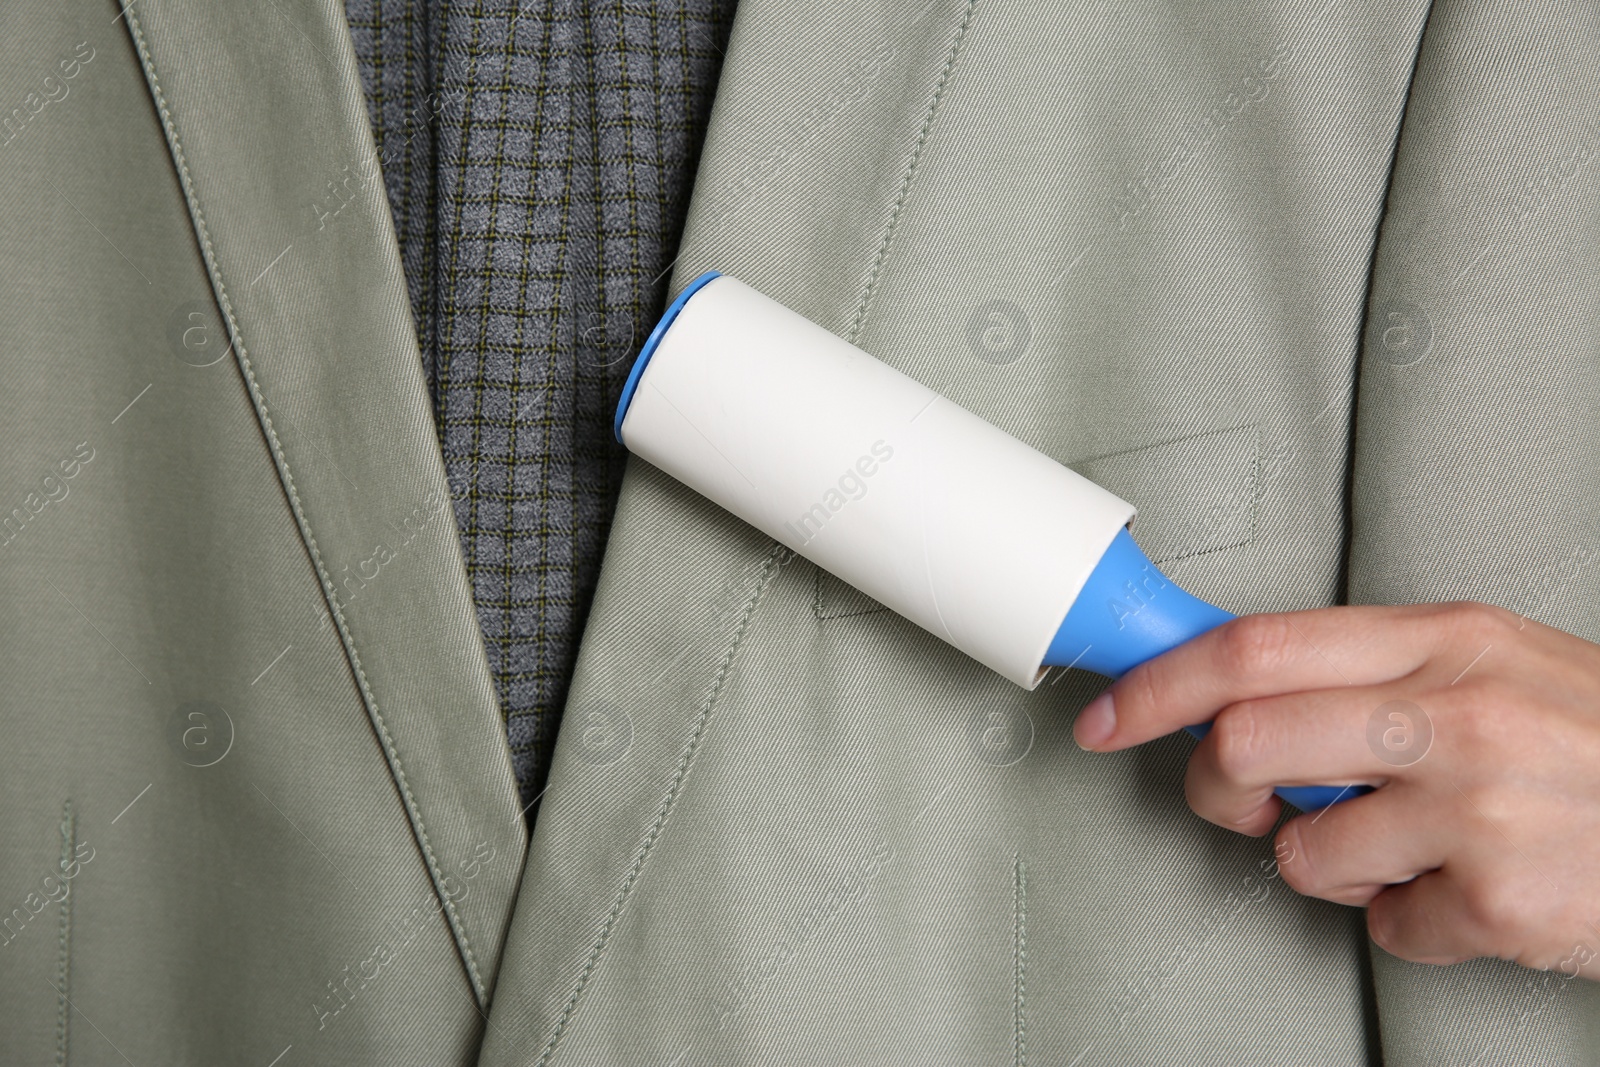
(910, 173)
(1255, 488)
(673, 791)
(391, 753)
(819, 608)
(69, 843)
(1019, 960)
(1255, 505)
(1208, 434)
(684, 763)
(855, 614)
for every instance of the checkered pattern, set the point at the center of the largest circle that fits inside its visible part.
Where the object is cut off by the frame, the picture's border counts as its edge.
(536, 221)
(395, 52)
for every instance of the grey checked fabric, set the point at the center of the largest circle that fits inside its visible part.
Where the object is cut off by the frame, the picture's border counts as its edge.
(538, 163)
(397, 58)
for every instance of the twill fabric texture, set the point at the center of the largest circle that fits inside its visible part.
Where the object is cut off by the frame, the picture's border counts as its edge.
(250, 708)
(1269, 271)
(537, 159)
(1311, 284)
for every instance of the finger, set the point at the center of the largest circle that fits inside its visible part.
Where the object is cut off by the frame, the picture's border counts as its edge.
(1356, 896)
(1314, 738)
(1430, 920)
(1350, 852)
(1249, 811)
(1481, 902)
(1258, 656)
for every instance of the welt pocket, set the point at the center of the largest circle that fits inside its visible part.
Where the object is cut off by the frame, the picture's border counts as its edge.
(1195, 494)
(833, 599)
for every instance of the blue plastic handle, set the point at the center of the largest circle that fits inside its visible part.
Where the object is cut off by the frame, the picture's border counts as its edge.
(1129, 612)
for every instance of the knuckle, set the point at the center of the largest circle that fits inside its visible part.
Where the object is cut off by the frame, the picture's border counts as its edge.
(1498, 720)
(1480, 621)
(1492, 800)
(1494, 906)
(1299, 875)
(1253, 644)
(1238, 741)
(1143, 691)
(1479, 712)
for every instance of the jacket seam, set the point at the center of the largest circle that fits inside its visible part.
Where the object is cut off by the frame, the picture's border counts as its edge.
(869, 289)
(69, 849)
(597, 949)
(1019, 960)
(819, 606)
(1255, 503)
(280, 460)
(674, 790)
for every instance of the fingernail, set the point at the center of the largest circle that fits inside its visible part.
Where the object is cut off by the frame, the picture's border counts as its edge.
(1096, 723)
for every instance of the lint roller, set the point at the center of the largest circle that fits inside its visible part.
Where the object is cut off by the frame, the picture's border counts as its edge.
(939, 515)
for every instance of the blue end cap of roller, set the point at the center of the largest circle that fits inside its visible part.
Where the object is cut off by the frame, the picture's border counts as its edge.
(650, 344)
(1129, 612)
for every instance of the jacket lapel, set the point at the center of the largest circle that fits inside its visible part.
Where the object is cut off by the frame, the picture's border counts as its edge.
(268, 130)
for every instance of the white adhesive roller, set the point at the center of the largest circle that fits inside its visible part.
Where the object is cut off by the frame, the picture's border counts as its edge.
(942, 517)
(986, 543)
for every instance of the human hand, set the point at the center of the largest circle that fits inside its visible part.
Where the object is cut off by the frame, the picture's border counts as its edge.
(1480, 730)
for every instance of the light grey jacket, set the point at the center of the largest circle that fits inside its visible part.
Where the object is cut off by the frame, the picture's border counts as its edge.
(1313, 285)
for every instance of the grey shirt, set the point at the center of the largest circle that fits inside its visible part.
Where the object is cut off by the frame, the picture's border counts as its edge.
(537, 159)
